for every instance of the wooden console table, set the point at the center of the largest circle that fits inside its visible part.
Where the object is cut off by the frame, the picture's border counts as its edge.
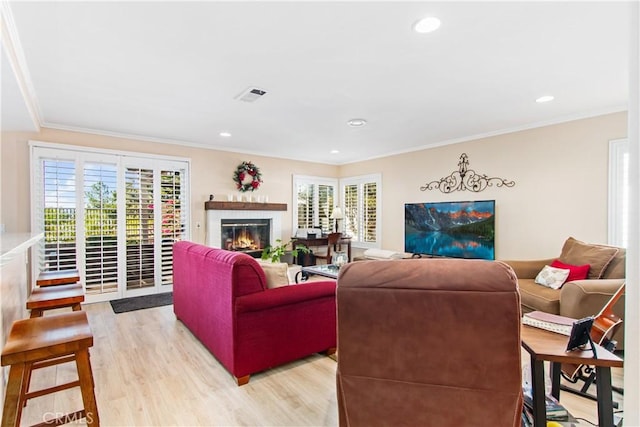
(548, 346)
(324, 241)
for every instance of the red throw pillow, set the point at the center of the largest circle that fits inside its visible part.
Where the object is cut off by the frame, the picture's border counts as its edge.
(577, 272)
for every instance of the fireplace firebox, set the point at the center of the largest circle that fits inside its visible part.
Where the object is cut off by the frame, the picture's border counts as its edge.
(246, 235)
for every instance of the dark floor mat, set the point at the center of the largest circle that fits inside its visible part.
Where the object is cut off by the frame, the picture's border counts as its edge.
(138, 303)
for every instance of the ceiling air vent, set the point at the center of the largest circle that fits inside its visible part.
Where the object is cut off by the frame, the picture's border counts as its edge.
(251, 94)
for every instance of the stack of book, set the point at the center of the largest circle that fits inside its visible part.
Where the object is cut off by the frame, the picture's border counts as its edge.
(555, 411)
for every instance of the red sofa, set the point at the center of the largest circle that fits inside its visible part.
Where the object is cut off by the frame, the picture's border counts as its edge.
(222, 297)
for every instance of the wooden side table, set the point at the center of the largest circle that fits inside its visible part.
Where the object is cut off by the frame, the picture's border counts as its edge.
(548, 346)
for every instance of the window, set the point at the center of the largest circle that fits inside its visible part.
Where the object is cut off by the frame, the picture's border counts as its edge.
(360, 197)
(314, 200)
(619, 192)
(112, 215)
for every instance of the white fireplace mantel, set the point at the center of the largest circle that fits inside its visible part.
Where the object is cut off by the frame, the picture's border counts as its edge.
(217, 211)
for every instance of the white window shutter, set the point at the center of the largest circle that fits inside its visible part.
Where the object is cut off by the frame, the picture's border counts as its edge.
(139, 204)
(112, 215)
(100, 228)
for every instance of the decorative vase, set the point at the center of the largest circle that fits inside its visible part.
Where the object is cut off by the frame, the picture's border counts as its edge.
(339, 258)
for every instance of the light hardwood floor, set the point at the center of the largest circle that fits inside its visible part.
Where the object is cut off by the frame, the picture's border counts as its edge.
(150, 370)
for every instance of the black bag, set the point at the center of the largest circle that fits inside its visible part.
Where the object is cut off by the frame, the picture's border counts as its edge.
(306, 259)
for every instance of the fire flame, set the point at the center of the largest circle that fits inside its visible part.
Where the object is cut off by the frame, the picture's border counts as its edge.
(245, 241)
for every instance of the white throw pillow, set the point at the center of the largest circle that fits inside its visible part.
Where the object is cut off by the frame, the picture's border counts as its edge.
(384, 254)
(552, 277)
(276, 273)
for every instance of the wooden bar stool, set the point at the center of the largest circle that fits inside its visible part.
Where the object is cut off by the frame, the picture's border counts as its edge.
(47, 341)
(60, 277)
(49, 298)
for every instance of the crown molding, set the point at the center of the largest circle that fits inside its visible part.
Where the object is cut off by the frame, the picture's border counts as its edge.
(556, 121)
(15, 55)
(184, 143)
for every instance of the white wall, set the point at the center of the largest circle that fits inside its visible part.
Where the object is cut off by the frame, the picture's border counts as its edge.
(560, 173)
(211, 173)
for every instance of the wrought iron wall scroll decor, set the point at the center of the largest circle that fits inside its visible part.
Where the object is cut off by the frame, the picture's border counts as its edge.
(465, 179)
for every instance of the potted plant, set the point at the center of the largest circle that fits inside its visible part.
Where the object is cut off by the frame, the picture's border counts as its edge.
(274, 252)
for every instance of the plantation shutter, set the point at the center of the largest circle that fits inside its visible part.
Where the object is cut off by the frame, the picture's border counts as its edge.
(173, 193)
(370, 212)
(114, 216)
(325, 207)
(139, 205)
(305, 205)
(56, 213)
(362, 216)
(351, 211)
(100, 227)
(314, 200)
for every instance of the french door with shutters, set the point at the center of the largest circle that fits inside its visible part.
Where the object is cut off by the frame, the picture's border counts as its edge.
(155, 210)
(114, 217)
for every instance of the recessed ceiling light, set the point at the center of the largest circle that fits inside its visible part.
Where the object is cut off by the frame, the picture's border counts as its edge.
(356, 123)
(426, 25)
(334, 151)
(225, 134)
(545, 98)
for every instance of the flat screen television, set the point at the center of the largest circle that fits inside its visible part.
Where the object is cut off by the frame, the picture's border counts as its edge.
(450, 229)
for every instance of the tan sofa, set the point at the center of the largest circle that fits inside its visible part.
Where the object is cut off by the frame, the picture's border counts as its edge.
(428, 342)
(579, 298)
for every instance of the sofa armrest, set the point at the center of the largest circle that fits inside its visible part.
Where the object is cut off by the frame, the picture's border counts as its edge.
(582, 298)
(285, 295)
(528, 269)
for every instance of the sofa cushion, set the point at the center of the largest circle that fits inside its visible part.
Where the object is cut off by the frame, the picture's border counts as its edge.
(536, 297)
(552, 277)
(576, 272)
(597, 256)
(276, 273)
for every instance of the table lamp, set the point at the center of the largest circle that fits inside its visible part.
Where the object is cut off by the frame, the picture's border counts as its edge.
(337, 215)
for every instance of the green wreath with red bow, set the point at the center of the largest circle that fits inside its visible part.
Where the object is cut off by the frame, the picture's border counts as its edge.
(247, 177)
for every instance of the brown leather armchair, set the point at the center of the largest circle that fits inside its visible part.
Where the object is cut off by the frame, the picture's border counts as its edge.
(429, 342)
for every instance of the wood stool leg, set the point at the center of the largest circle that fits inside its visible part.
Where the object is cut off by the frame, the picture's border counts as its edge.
(26, 380)
(87, 387)
(76, 307)
(36, 312)
(12, 402)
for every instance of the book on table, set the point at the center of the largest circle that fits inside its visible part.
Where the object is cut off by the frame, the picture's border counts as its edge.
(550, 322)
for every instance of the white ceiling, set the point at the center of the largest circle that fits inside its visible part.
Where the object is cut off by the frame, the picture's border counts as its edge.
(169, 71)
